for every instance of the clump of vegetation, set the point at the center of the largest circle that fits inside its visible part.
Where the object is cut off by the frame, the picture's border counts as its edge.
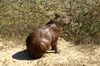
(19, 18)
(86, 27)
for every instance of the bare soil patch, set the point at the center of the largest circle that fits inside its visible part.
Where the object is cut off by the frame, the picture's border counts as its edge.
(71, 55)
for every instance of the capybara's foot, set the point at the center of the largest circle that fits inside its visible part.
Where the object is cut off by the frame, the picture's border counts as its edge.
(57, 51)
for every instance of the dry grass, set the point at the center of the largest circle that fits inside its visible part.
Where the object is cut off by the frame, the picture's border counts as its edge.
(19, 18)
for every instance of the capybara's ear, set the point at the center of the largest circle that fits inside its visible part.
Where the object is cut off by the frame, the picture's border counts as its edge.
(56, 16)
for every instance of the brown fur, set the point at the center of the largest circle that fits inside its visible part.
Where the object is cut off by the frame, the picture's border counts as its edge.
(40, 40)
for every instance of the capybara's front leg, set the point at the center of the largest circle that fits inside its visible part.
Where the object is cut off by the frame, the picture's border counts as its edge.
(54, 47)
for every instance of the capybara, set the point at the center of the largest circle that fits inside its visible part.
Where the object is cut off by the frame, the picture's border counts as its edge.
(40, 40)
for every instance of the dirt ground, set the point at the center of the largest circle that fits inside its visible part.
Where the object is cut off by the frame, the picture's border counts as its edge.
(71, 55)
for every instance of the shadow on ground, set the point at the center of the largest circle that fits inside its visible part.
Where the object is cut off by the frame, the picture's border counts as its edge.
(22, 55)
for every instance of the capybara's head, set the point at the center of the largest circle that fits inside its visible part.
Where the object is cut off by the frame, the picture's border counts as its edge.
(62, 20)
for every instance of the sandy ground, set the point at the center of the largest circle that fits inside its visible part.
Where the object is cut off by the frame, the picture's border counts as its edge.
(71, 55)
